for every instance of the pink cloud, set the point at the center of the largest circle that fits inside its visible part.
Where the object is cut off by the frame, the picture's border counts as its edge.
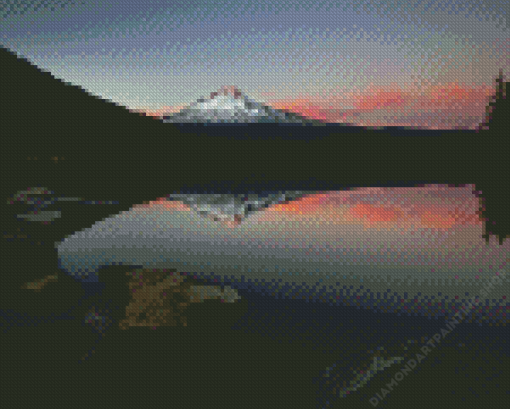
(436, 207)
(446, 102)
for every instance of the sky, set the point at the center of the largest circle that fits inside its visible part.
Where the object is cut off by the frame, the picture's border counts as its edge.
(429, 64)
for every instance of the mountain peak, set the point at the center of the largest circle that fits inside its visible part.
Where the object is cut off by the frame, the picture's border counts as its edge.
(230, 105)
(228, 91)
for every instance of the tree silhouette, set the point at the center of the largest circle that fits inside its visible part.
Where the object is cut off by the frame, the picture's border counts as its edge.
(495, 111)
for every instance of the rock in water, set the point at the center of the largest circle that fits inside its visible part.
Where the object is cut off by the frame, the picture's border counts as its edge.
(404, 250)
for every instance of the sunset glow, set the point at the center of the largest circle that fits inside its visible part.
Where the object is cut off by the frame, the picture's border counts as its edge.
(394, 64)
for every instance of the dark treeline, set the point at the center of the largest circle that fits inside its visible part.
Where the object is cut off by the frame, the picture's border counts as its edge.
(110, 151)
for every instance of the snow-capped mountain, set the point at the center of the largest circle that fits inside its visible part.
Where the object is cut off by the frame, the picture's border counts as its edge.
(234, 206)
(230, 105)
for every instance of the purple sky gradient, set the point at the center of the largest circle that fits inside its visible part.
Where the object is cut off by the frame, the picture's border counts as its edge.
(345, 61)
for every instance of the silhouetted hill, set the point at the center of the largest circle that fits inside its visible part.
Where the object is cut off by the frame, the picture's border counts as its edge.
(110, 152)
(34, 101)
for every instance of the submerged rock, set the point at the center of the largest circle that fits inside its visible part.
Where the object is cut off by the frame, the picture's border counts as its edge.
(417, 251)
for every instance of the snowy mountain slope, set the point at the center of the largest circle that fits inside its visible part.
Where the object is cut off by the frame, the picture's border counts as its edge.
(233, 206)
(230, 105)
